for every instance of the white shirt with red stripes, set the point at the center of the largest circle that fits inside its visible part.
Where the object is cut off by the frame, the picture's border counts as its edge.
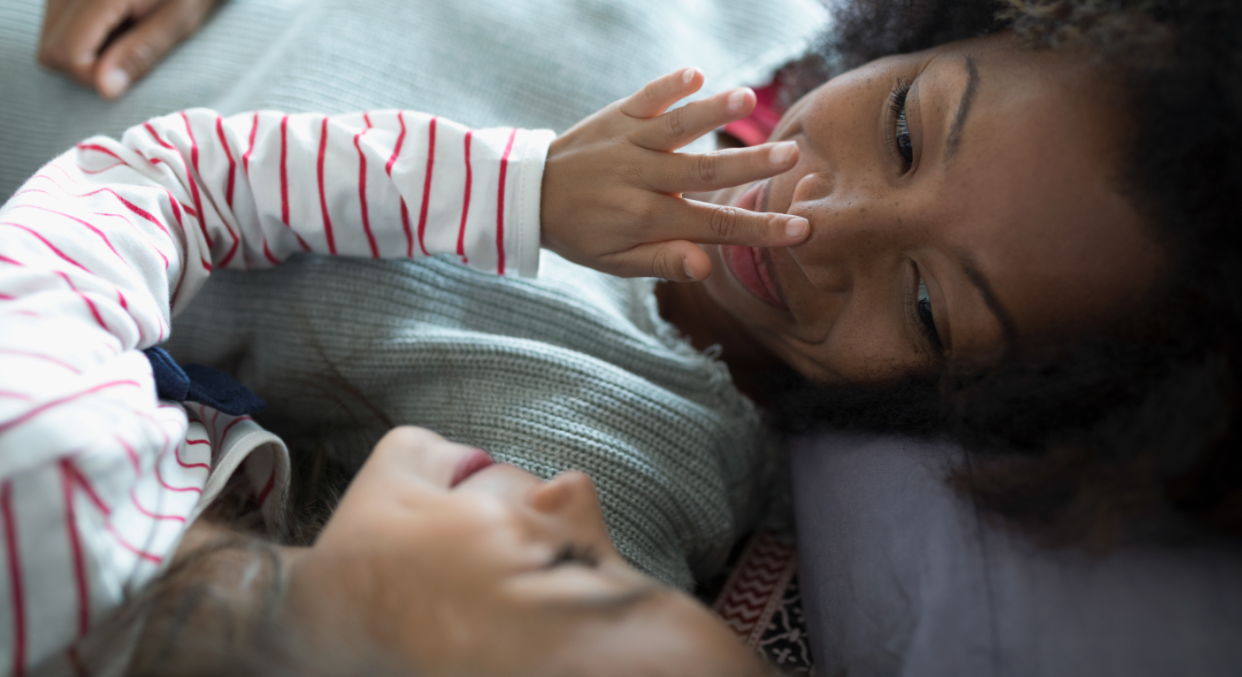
(98, 477)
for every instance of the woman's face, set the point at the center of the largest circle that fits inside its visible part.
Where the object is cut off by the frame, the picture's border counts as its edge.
(959, 198)
(452, 565)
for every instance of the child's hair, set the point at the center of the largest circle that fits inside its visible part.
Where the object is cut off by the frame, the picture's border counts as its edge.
(1133, 428)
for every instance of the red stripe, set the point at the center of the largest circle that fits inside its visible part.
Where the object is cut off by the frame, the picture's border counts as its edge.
(48, 244)
(465, 206)
(431, 161)
(133, 456)
(198, 441)
(362, 187)
(76, 662)
(159, 476)
(228, 191)
(15, 581)
(198, 205)
(155, 516)
(267, 488)
(224, 143)
(40, 356)
(126, 544)
(128, 205)
(75, 545)
(227, 428)
(98, 148)
(284, 183)
(323, 200)
(114, 165)
(57, 402)
(176, 207)
(85, 485)
(254, 130)
(135, 226)
(397, 150)
(284, 176)
(86, 299)
(268, 254)
(183, 464)
(500, 206)
(92, 228)
(120, 296)
(156, 136)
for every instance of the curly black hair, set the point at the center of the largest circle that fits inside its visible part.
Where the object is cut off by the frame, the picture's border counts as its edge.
(1132, 430)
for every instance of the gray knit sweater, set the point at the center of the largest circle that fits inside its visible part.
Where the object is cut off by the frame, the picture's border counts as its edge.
(572, 370)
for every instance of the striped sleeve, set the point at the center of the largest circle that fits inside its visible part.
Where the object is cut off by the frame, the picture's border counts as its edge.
(98, 478)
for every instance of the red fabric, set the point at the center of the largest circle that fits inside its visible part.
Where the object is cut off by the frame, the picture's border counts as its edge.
(756, 128)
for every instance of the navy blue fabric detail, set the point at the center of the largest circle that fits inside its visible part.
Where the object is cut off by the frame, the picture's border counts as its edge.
(218, 390)
(197, 383)
(171, 382)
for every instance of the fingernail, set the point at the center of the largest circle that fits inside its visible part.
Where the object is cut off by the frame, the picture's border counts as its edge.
(737, 100)
(688, 75)
(685, 263)
(796, 227)
(114, 83)
(781, 152)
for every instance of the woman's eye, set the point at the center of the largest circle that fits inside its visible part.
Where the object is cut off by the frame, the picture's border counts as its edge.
(901, 129)
(923, 307)
(572, 553)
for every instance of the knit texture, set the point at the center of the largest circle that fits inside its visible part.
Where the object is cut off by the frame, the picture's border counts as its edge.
(574, 370)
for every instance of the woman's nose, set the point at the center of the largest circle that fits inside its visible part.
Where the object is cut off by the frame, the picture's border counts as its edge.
(568, 491)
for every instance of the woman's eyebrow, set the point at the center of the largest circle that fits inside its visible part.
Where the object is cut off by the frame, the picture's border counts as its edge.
(954, 139)
(1009, 330)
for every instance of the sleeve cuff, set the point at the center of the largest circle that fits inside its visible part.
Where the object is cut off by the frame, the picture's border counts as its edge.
(525, 239)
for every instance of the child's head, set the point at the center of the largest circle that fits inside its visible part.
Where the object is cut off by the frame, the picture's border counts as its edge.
(439, 562)
(1028, 240)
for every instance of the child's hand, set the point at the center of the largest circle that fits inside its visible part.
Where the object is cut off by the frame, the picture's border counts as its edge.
(612, 187)
(108, 44)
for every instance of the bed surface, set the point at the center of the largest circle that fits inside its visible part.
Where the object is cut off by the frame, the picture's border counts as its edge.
(900, 576)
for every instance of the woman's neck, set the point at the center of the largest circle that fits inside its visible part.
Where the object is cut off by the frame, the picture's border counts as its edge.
(687, 306)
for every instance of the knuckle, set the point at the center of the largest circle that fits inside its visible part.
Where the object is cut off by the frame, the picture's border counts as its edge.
(631, 175)
(708, 166)
(639, 212)
(675, 122)
(649, 95)
(141, 56)
(660, 265)
(53, 56)
(725, 222)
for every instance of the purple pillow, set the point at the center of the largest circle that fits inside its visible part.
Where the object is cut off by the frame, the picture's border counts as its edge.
(900, 576)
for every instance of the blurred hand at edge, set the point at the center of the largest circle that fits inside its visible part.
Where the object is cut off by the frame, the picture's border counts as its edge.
(110, 44)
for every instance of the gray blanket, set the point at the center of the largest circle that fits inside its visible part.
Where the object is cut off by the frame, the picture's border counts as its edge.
(529, 63)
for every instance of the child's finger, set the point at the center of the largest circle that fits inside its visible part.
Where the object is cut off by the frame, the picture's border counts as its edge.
(655, 98)
(716, 224)
(678, 260)
(689, 173)
(680, 126)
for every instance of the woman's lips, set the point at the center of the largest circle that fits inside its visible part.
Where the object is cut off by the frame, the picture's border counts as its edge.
(752, 266)
(473, 462)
